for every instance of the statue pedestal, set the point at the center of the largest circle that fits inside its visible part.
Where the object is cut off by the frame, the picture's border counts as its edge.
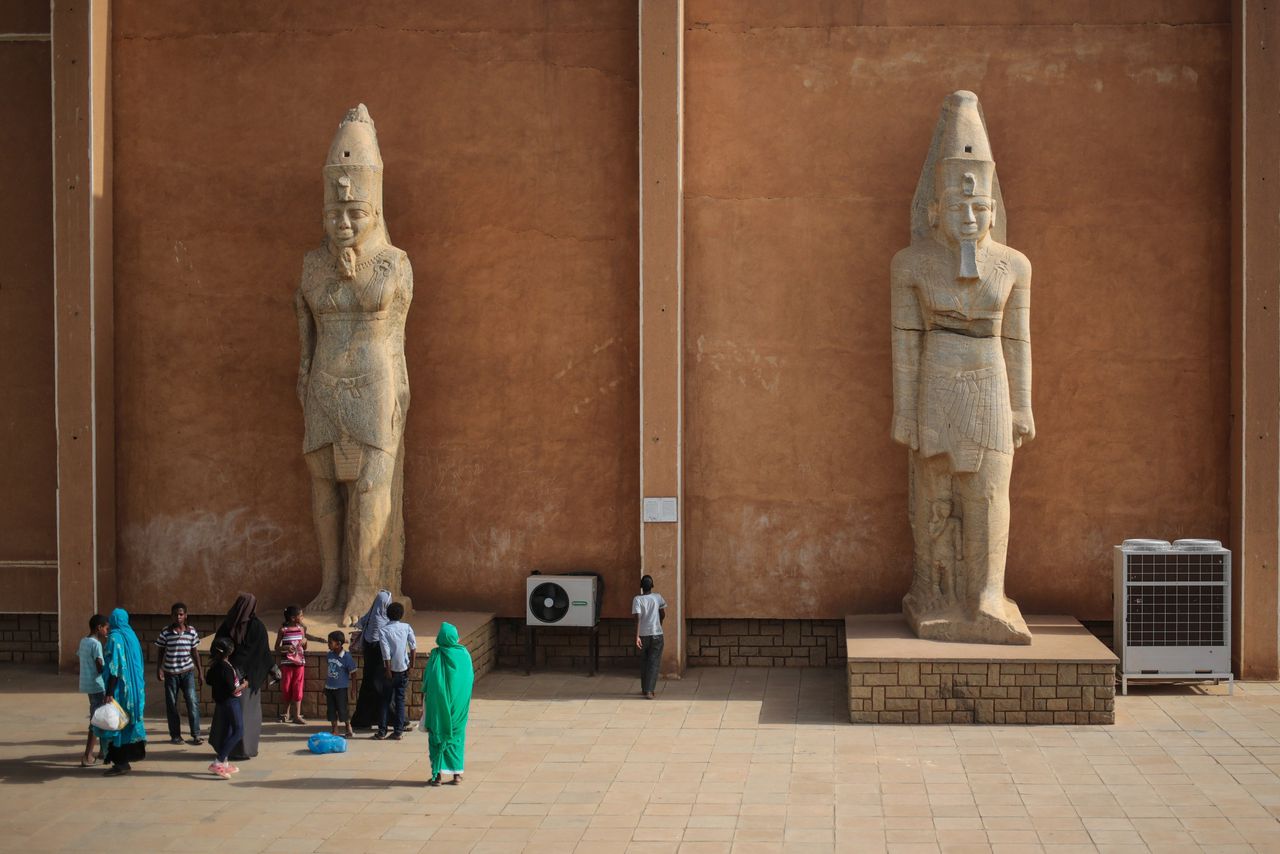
(1064, 676)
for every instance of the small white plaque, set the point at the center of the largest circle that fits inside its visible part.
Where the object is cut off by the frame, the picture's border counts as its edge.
(660, 510)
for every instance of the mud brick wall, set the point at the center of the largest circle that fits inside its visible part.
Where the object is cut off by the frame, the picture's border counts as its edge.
(569, 648)
(766, 643)
(978, 692)
(30, 638)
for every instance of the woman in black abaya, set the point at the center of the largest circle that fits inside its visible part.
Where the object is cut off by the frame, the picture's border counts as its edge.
(252, 658)
(373, 682)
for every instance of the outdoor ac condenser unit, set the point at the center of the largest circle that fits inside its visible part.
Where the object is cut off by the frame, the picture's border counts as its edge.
(1173, 610)
(561, 600)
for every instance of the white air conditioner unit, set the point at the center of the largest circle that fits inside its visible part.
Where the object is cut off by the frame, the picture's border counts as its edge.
(1173, 610)
(561, 600)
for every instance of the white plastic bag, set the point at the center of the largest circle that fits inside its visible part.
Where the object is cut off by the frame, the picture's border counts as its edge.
(110, 717)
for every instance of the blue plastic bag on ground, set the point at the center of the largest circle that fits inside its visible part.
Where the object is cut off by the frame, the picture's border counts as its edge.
(326, 742)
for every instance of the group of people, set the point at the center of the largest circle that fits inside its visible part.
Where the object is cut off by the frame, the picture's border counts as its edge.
(243, 663)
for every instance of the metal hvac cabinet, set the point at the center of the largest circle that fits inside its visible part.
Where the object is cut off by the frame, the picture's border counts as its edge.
(1173, 611)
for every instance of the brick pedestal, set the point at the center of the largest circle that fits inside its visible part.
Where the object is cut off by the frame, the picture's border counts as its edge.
(1065, 676)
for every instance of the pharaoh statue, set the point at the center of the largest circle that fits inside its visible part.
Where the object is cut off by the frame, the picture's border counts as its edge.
(961, 385)
(352, 380)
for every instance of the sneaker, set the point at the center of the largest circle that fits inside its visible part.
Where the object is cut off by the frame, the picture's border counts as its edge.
(214, 766)
(196, 740)
(222, 772)
(380, 736)
(232, 769)
(395, 736)
(175, 740)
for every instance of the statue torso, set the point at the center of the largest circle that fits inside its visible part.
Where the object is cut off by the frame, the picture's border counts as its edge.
(353, 391)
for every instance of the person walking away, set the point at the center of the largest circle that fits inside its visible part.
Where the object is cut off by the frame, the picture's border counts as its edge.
(251, 657)
(399, 647)
(650, 610)
(337, 683)
(225, 683)
(447, 681)
(291, 645)
(178, 667)
(126, 684)
(91, 667)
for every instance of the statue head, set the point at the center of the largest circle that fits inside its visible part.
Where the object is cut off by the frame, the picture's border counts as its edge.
(353, 186)
(963, 206)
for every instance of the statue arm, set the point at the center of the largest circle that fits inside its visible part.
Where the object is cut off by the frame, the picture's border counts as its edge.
(306, 340)
(402, 367)
(908, 330)
(1016, 341)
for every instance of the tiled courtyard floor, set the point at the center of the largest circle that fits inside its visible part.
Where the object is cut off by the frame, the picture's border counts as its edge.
(741, 760)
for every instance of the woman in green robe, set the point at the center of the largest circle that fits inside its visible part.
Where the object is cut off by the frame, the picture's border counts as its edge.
(446, 700)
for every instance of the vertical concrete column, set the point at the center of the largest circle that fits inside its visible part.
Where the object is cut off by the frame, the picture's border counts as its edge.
(661, 310)
(1255, 331)
(82, 313)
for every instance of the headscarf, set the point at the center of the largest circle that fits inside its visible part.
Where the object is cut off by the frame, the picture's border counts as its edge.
(242, 611)
(446, 686)
(252, 655)
(372, 623)
(122, 658)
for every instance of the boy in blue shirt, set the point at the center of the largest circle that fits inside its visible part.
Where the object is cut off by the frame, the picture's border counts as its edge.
(337, 682)
(91, 666)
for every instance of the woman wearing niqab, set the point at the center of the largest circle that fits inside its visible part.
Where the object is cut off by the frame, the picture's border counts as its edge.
(447, 681)
(126, 684)
(252, 658)
(373, 682)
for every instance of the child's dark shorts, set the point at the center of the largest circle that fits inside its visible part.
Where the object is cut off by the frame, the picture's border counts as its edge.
(335, 700)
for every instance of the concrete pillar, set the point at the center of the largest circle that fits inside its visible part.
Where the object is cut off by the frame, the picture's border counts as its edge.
(661, 307)
(82, 316)
(1255, 330)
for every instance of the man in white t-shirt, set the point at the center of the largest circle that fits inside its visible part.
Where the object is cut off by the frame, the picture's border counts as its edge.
(650, 610)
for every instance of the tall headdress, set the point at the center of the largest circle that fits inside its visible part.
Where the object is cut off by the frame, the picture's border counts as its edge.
(353, 170)
(960, 161)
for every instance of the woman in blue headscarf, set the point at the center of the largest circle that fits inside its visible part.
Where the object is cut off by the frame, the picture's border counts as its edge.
(447, 681)
(126, 684)
(374, 684)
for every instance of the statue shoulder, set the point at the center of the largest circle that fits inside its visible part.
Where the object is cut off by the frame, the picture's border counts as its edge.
(912, 260)
(316, 260)
(398, 257)
(1018, 263)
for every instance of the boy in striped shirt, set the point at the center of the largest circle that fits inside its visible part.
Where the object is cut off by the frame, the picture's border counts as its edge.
(179, 669)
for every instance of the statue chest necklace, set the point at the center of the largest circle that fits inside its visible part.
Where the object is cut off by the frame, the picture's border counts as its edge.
(365, 290)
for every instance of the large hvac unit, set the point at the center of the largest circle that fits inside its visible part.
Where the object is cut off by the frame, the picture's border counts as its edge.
(561, 600)
(1173, 611)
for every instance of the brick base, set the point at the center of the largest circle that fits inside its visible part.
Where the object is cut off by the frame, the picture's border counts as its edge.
(766, 643)
(933, 692)
(30, 638)
(569, 648)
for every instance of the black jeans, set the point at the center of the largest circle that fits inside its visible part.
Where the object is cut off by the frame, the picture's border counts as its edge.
(395, 702)
(184, 683)
(650, 661)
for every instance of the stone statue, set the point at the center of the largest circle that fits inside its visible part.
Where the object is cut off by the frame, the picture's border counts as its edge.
(961, 385)
(352, 380)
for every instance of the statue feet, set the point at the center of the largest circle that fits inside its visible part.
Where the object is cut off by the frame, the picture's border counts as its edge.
(995, 622)
(325, 601)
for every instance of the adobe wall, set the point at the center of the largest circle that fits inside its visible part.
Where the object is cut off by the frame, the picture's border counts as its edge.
(508, 133)
(28, 442)
(806, 127)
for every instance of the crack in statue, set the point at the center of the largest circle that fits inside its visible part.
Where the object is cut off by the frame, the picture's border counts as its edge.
(352, 380)
(961, 385)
